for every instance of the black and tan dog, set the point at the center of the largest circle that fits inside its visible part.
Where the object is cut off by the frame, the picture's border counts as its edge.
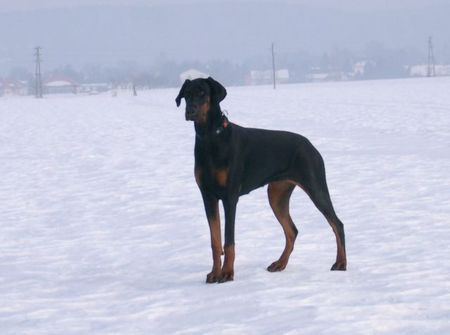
(231, 161)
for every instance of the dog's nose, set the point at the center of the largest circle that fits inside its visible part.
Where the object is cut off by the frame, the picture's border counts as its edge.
(190, 114)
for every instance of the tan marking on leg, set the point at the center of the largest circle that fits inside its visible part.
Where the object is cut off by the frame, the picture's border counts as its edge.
(228, 264)
(279, 194)
(216, 247)
(341, 257)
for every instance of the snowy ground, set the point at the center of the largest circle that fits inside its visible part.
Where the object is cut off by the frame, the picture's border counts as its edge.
(102, 229)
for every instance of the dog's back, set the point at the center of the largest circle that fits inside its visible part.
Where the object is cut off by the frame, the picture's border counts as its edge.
(269, 155)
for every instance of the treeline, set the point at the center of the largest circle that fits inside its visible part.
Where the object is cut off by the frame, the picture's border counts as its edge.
(380, 62)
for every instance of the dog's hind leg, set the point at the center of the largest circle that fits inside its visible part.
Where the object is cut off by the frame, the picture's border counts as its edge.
(322, 201)
(317, 190)
(279, 194)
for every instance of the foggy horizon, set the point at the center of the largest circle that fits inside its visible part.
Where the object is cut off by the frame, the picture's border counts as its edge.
(148, 33)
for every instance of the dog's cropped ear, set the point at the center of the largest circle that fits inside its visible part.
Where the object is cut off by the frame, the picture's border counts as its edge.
(218, 91)
(181, 94)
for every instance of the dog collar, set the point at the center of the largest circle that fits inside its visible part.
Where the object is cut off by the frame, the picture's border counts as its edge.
(223, 126)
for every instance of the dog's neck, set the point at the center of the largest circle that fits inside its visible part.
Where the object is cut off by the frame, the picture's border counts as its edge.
(215, 124)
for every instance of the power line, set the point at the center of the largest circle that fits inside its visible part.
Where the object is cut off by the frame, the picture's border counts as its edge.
(38, 75)
(273, 67)
(431, 70)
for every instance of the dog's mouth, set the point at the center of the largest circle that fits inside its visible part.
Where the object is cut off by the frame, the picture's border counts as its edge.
(191, 115)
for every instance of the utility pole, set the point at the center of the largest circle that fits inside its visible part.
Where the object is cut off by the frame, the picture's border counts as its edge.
(431, 70)
(273, 67)
(38, 75)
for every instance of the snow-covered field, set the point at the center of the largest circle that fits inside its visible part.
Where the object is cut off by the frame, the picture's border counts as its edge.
(102, 229)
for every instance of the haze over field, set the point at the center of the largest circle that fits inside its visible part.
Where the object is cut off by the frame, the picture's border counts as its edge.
(107, 32)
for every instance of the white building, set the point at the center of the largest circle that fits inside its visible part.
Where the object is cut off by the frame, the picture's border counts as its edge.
(60, 85)
(192, 74)
(266, 77)
(13, 87)
(421, 70)
(94, 88)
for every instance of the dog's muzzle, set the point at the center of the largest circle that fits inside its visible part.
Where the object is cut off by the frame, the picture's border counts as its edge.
(191, 115)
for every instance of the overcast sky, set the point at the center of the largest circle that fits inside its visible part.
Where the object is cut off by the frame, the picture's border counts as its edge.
(8, 5)
(79, 32)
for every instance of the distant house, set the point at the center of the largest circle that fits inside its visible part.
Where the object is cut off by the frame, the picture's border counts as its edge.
(13, 87)
(94, 88)
(317, 75)
(266, 77)
(282, 76)
(60, 86)
(418, 71)
(192, 74)
(362, 68)
(421, 70)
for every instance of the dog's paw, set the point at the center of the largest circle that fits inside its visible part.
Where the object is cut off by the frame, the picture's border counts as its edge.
(339, 267)
(277, 266)
(213, 277)
(226, 276)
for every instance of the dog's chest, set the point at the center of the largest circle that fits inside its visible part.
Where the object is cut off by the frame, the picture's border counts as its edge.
(211, 176)
(212, 168)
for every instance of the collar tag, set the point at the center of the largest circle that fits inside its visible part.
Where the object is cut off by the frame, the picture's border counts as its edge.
(225, 123)
(223, 126)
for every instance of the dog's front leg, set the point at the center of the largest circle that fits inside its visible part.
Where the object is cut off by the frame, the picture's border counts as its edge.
(212, 213)
(230, 215)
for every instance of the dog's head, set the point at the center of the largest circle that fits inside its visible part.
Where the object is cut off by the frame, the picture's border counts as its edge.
(200, 95)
